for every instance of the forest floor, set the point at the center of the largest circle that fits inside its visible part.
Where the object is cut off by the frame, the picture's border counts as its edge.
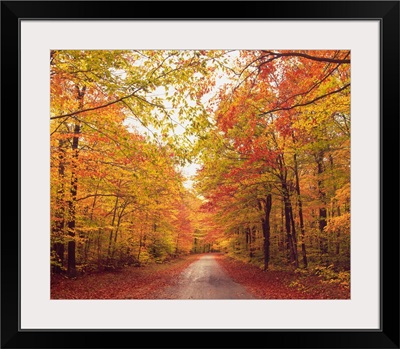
(282, 284)
(128, 283)
(149, 282)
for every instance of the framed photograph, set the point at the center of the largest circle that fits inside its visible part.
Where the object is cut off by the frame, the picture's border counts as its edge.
(221, 170)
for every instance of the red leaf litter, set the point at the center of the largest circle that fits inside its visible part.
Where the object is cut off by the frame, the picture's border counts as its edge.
(129, 283)
(148, 282)
(281, 284)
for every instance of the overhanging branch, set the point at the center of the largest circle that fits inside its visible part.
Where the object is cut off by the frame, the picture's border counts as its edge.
(313, 58)
(306, 103)
(95, 108)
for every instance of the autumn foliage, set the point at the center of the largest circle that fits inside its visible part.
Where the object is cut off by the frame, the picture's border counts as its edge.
(117, 196)
(276, 163)
(270, 131)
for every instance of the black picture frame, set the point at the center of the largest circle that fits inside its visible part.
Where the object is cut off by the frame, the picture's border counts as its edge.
(11, 14)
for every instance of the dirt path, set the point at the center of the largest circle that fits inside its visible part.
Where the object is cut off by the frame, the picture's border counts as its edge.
(205, 279)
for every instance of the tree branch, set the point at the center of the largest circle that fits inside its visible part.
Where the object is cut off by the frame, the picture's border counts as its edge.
(314, 58)
(313, 86)
(98, 107)
(306, 103)
(94, 195)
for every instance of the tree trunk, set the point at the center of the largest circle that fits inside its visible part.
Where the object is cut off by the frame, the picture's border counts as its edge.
(337, 247)
(121, 213)
(291, 239)
(300, 203)
(253, 236)
(58, 227)
(99, 249)
(58, 248)
(294, 234)
(266, 227)
(282, 228)
(72, 203)
(338, 235)
(74, 189)
(322, 210)
(142, 241)
(140, 246)
(112, 229)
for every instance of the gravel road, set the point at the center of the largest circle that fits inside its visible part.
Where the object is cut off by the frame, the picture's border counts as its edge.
(205, 279)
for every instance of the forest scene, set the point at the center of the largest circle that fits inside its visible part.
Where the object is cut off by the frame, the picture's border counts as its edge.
(200, 174)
